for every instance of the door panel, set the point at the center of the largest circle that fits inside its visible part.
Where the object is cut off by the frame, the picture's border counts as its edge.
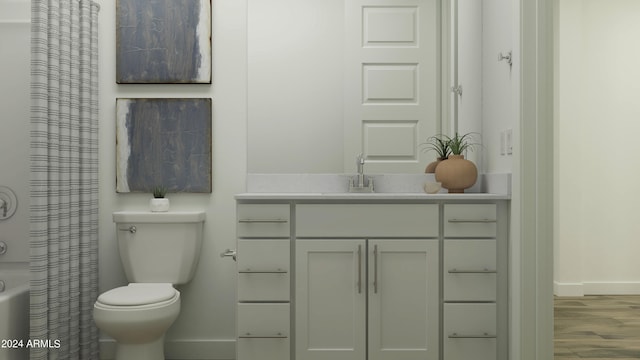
(403, 299)
(330, 300)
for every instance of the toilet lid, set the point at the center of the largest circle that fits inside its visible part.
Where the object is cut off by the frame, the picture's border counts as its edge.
(138, 294)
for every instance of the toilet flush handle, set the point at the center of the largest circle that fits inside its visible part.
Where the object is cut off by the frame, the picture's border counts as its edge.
(132, 229)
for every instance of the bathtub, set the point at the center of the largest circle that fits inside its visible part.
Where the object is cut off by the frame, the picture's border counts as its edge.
(14, 313)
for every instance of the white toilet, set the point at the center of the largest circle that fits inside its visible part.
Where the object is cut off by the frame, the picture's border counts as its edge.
(158, 250)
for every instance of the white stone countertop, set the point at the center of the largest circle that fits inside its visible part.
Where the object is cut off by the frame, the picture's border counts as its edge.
(388, 187)
(371, 196)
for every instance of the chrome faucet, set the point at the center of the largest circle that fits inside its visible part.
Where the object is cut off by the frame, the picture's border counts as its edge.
(360, 183)
(360, 166)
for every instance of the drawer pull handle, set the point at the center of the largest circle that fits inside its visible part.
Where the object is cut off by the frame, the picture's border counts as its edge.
(483, 336)
(484, 271)
(249, 271)
(359, 269)
(249, 336)
(263, 221)
(473, 221)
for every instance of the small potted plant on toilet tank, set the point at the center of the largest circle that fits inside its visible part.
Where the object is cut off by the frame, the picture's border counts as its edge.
(159, 203)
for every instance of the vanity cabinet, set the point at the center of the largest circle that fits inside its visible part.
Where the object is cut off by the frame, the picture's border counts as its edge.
(264, 282)
(372, 280)
(473, 283)
(358, 294)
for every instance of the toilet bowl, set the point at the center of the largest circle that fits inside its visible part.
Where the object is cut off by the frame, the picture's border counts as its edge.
(137, 317)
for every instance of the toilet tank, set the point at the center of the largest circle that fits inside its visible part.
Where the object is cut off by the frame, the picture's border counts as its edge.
(159, 247)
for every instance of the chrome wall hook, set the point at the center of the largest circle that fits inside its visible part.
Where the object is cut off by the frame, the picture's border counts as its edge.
(508, 56)
(457, 90)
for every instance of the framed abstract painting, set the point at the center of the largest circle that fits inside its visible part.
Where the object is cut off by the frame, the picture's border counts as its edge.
(163, 41)
(163, 142)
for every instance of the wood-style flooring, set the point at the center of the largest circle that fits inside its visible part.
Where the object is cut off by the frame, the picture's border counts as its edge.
(597, 327)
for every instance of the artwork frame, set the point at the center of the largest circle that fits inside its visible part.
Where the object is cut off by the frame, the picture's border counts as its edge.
(163, 42)
(164, 142)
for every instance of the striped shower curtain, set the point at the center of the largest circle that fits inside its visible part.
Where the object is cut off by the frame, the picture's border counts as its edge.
(64, 179)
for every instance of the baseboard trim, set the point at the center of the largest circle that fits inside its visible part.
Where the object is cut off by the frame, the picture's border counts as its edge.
(596, 288)
(183, 349)
(612, 288)
(568, 289)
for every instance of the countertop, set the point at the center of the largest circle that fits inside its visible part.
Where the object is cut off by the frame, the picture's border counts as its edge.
(371, 196)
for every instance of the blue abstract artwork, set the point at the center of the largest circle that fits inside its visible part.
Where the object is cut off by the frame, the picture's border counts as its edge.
(163, 142)
(163, 41)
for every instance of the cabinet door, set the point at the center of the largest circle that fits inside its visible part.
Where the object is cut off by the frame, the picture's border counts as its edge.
(403, 299)
(330, 299)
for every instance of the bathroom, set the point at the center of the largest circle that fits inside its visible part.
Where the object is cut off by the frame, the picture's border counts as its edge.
(206, 324)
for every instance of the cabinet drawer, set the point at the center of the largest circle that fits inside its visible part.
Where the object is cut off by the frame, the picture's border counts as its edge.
(263, 220)
(362, 220)
(470, 220)
(263, 270)
(470, 270)
(263, 332)
(470, 332)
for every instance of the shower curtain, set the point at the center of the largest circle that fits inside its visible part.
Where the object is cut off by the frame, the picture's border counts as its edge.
(64, 178)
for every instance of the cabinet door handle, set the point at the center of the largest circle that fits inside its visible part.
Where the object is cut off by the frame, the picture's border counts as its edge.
(263, 221)
(483, 271)
(473, 221)
(359, 269)
(249, 271)
(250, 336)
(481, 336)
(375, 269)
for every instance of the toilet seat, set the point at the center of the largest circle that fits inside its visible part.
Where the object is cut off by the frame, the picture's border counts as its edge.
(138, 295)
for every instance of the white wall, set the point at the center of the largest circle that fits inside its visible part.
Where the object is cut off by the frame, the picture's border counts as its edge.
(206, 326)
(597, 163)
(489, 101)
(469, 72)
(296, 86)
(499, 80)
(14, 124)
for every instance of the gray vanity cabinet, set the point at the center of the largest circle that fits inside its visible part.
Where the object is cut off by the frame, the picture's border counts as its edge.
(372, 280)
(359, 296)
(264, 282)
(474, 282)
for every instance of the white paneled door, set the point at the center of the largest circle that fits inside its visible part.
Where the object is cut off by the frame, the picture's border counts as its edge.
(392, 82)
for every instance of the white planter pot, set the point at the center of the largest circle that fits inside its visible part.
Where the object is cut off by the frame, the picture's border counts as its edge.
(159, 205)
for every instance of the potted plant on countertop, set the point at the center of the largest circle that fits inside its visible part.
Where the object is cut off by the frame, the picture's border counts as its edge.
(439, 144)
(159, 203)
(457, 173)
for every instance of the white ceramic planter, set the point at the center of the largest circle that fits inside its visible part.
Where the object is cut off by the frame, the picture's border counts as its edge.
(159, 205)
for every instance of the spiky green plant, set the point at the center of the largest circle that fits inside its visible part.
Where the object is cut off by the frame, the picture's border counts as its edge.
(439, 144)
(159, 192)
(461, 143)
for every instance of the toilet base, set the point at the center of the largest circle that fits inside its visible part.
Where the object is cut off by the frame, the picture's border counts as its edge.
(148, 351)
